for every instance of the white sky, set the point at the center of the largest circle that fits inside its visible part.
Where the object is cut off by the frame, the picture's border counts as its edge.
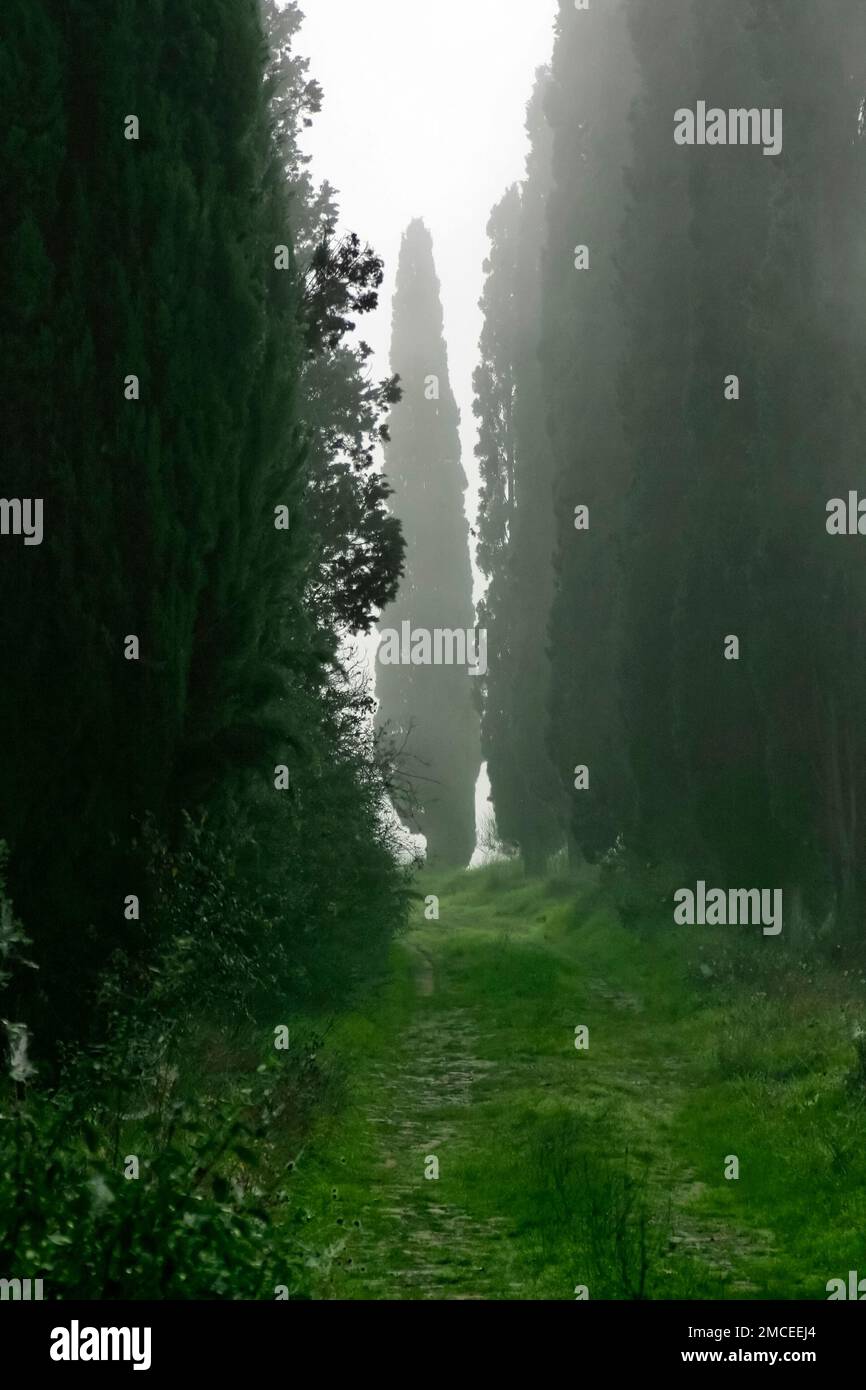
(424, 116)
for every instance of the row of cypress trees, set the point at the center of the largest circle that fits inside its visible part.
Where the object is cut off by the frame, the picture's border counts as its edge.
(183, 389)
(706, 497)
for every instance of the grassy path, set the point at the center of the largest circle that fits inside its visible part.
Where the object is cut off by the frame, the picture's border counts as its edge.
(480, 1154)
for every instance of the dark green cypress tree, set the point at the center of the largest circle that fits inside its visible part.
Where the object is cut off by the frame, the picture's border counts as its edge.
(516, 521)
(809, 322)
(718, 730)
(581, 351)
(654, 259)
(154, 258)
(733, 263)
(430, 708)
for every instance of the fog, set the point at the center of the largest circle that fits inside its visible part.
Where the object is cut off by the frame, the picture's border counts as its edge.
(424, 116)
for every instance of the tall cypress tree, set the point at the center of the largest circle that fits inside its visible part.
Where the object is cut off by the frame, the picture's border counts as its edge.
(809, 318)
(653, 257)
(516, 520)
(717, 726)
(428, 708)
(733, 264)
(588, 106)
(145, 312)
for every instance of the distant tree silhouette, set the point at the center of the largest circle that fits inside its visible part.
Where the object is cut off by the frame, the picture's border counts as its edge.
(430, 708)
(516, 531)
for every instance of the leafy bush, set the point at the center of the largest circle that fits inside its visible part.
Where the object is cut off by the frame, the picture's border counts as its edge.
(203, 1215)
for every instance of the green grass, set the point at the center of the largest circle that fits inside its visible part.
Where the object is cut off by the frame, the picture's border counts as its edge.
(603, 1168)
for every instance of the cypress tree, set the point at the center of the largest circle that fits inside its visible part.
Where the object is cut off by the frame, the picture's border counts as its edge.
(717, 724)
(154, 258)
(429, 708)
(516, 521)
(809, 318)
(654, 258)
(581, 351)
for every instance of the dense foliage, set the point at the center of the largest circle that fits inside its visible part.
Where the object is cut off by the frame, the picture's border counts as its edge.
(222, 508)
(701, 360)
(191, 791)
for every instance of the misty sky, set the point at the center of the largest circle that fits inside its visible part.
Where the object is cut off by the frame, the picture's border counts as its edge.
(424, 117)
